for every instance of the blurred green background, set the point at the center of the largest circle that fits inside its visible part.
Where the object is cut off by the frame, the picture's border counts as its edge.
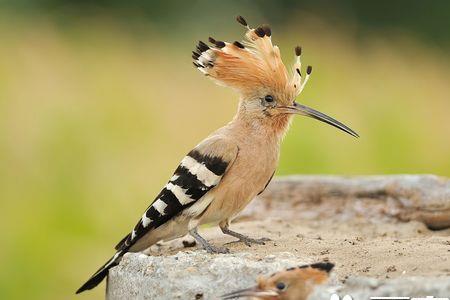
(99, 101)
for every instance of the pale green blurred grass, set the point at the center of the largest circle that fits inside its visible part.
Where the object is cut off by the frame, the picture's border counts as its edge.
(94, 120)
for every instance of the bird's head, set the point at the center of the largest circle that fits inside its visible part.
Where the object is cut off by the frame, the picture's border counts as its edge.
(253, 67)
(291, 284)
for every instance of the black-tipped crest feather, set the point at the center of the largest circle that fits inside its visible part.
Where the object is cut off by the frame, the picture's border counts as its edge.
(238, 44)
(324, 266)
(260, 32)
(219, 44)
(241, 21)
(202, 47)
(267, 30)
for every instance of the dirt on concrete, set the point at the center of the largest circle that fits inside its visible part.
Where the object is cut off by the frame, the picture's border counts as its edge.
(375, 226)
(357, 247)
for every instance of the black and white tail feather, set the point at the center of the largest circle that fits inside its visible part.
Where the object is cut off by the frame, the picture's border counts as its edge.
(195, 176)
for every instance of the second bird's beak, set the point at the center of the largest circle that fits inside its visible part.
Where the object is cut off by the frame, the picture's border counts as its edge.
(252, 292)
(303, 110)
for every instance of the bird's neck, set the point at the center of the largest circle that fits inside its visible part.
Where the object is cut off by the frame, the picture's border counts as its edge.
(268, 127)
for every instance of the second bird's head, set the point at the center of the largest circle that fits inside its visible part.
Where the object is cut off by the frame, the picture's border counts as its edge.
(295, 283)
(253, 67)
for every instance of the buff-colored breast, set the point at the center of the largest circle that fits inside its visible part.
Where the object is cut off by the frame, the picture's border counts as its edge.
(253, 167)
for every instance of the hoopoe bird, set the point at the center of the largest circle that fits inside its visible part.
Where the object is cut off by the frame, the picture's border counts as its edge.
(291, 284)
(225, 171)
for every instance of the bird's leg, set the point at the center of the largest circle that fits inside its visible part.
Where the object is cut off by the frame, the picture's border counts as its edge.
(204, 243)
(242, 238)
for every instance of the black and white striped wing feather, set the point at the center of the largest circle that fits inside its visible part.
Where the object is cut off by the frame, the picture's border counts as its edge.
(199, 171)
(197, 174)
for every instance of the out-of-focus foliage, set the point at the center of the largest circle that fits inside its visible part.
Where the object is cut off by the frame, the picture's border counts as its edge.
(427, 20)
(97, 109)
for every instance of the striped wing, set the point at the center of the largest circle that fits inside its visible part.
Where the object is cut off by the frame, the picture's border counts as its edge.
(199, 171)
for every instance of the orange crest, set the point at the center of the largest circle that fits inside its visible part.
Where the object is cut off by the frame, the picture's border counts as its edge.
(250, 65)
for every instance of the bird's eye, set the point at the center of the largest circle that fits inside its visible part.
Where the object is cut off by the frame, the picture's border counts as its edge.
(268, 98)
(281, 286)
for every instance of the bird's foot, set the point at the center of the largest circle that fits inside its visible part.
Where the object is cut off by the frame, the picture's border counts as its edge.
(243, 238)
(261, 241)
(207, 246)
(249, 241)
(216, 250)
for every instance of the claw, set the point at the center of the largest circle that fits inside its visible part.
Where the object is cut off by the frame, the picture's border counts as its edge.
(216, 250)
(249, 241)
(245, 239)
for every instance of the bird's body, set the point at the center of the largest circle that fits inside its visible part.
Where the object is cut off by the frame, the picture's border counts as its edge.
(252, 149)
(224, 172)
(257, 158)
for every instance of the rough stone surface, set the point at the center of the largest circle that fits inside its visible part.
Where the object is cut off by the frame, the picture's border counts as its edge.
(190, 275)
(380, 231)
(362, 288)
(424, 198)
(198, 275)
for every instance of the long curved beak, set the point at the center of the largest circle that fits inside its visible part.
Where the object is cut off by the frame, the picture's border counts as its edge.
(251, 292)
(303, 110)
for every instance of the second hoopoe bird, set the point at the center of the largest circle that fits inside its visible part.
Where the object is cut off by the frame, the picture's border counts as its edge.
(292, 284)
(225, 171)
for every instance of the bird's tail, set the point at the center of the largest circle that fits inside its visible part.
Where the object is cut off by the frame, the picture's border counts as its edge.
(101, 273)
